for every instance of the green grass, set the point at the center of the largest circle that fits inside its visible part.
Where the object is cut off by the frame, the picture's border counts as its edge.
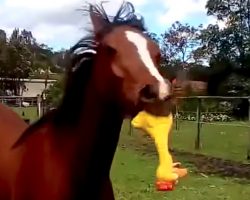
(29, 112)
(228, 142)
(133, 178)
(133, 170)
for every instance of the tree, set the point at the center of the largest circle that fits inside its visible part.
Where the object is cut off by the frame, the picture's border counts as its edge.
(231, 43)
(3, 41)
(3, 37)
(154, 37)
(179, 42)
(22, 57)
(61, 60)
(16, 64)
(54, 93)
(233, 40)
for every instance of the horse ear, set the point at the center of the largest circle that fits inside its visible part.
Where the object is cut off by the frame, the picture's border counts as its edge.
(97, 20)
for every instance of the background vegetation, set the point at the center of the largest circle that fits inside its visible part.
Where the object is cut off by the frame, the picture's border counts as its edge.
(183, 46)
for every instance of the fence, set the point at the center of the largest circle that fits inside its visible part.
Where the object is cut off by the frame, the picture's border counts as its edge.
(195, 113)
(29, 108)
(199, 116)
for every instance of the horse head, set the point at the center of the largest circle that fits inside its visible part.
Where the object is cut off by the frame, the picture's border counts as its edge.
(126, 60)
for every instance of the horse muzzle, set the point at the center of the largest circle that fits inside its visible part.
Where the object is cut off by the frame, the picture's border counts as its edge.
(160, 91)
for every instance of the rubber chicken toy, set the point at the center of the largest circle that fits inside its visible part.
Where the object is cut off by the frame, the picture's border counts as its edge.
(159, 128)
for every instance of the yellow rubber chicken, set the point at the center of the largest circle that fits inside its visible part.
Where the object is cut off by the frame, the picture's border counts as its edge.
(159, 128)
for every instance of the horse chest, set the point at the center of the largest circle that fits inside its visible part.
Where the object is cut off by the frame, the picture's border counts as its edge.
(43, 172)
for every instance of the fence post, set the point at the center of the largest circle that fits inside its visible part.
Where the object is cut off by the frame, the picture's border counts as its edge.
(39, 100)
(130, 132)
(20, 102)
(198, 117)
(43, 104)
(248, 146)
(176, 118)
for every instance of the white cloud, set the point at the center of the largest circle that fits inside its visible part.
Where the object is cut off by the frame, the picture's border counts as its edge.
(51, 21)
(188, 11)
(59, 23)
(213, 20)
(178, 10)
(40, 5)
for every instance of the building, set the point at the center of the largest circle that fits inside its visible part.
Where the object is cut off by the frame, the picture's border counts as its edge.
(35, 87)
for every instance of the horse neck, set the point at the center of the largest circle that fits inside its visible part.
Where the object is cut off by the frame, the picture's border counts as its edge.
(94, 120)
(97, 110)
(95, 139)
(101, 107)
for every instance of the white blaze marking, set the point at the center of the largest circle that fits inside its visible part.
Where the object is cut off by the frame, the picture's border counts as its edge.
(141, 44)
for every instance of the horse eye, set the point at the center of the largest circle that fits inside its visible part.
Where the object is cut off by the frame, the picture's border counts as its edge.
(110, 50)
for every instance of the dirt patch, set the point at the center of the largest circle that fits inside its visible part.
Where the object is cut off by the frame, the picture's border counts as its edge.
(202, 163)
(212, 165)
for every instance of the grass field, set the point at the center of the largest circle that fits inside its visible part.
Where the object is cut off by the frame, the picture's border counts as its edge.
(27, 113)
(133, 178)
(133, 170)
(226, 142)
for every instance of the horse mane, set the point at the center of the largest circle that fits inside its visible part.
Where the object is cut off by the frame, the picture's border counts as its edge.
(82, 56)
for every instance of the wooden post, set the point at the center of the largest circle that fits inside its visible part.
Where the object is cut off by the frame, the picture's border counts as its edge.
(198, 119)
(20, 102)
(248, 146)
(130, 132)
(176, 118)
(43, 103)
(39, 100)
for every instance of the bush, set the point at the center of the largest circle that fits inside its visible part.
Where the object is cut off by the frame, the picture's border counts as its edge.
(205, 117)
(54, 93)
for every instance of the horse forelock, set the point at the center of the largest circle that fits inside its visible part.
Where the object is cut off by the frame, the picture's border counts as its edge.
(125, 16)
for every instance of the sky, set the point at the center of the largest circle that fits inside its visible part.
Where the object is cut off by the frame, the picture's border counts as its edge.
(61, 23)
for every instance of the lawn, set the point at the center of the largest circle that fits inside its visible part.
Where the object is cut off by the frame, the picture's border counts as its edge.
(224, 141)
(27, 113)
(133, 170)
(133, 179)
(228, 142)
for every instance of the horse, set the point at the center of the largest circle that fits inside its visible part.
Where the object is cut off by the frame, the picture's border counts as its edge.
(11, 126)
(67, 154)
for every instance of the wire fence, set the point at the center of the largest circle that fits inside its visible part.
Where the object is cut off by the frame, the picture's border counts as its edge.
(230, 115)
(29, 108)
(215, 125)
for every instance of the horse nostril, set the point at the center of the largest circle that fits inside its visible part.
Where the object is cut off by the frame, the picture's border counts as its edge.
(156, 92)
(149, 92)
